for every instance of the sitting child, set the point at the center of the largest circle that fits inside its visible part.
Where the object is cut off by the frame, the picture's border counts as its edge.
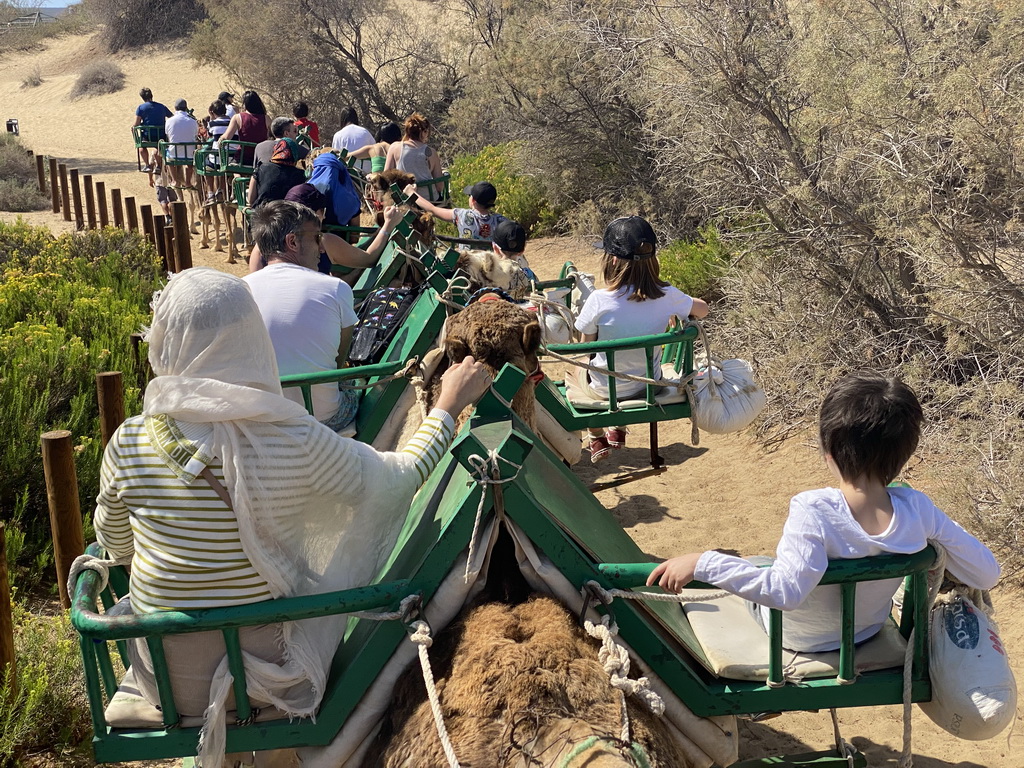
(869, 427)
(165, 195)
(634, 302)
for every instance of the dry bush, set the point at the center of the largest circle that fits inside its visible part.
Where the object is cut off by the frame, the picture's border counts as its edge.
(33, 79)
(97, 79)
(134, 23)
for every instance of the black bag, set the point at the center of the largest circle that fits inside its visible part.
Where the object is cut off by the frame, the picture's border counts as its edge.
(380, 316)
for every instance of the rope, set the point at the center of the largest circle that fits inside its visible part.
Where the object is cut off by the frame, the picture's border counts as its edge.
(447, 297)
(636, 751)
(615, 660)
(488, 473)
(405, 610)
(421, 637)
(935, 575)
(407, 372)
(90, 563)
(607, 595)
(844, 748)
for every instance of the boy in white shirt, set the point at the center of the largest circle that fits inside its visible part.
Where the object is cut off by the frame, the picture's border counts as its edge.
(869, 427)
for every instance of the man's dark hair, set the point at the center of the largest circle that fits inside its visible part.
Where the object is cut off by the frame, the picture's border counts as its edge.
(870, 425)
(279, 125)
(349, 116)
(218, 108)
(146, 94)
(274, 221)
(300, 109)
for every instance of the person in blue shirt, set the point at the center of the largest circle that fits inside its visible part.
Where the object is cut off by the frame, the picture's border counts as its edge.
(152, 114)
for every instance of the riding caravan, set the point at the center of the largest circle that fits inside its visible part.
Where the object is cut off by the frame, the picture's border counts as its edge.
(503, 507)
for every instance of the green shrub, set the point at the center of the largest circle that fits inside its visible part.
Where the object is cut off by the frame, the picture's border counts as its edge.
(97, 79)
(49, 712)
(68, 307)
(520, 197)
(695, 267)
(19, 191)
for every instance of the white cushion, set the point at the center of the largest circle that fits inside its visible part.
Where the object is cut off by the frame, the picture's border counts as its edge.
(128, 709)
(579, 393)
(737, 648)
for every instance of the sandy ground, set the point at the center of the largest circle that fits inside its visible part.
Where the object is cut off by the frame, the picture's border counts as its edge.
(727, 492)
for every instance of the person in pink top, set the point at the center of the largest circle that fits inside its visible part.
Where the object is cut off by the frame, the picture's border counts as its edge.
(868, 428)
(251, 125)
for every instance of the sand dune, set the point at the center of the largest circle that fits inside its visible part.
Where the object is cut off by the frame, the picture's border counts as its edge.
(725, 493)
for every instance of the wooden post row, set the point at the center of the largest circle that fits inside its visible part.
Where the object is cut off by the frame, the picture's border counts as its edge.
(54, 186)
(65, 511)
(65, 200)
(132, 215)
(8, 667)
(157, 224)
(101, 199)
(146, 215)
(115, 203)
(76, 196)
(90, 201)
(170, 260)
(182, 244)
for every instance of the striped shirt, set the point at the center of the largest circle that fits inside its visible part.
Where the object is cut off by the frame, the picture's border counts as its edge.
(183, 540)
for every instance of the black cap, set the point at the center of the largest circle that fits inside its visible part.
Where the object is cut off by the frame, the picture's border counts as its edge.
(224, 96)
(509, 236)
(483, 192)
(630, 238)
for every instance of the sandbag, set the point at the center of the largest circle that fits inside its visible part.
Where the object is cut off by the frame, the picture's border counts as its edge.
(974, 695)
(726, 397)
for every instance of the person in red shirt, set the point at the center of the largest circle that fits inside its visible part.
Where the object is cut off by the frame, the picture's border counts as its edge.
(301, 111)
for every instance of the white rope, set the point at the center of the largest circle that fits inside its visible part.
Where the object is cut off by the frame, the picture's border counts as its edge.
(487, 473)
(447, 297)
(663, 597)
(403, 613)
(407, 372)
(90, 563)
(421, 636)
(615, 660)
(935, 575)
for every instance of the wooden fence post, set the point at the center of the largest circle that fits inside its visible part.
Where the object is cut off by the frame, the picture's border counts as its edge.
(132, 214)
(182, 244)
(170, 259)
(8, 667)
(141, 363)
(65, 198)
(90, 201)
(161, 243)
(41, 174)
(76, 196)
(110, 398)
(101, 199)
(146, 214)
(65, 511)
(54, 186)
(115, 203)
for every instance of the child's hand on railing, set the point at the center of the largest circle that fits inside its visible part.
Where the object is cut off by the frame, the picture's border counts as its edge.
(676, 573)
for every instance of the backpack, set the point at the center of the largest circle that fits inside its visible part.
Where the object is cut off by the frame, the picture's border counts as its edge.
(380, 316)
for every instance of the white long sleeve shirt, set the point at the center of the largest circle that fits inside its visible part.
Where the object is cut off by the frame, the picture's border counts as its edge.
(822, 528)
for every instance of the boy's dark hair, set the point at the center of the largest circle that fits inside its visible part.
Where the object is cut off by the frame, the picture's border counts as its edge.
(146, 94)
(218, 107)
(300, 109)
(349, 116)
(870, 425)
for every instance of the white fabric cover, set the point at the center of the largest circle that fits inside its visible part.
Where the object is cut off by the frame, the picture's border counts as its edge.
(737, 648)
(728, 399)
(974, 695)
(583, 396)
(214, 364)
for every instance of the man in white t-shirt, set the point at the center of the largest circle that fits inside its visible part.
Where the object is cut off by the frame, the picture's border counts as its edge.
(477, 222)
(309, 315)
(353, 136)
(182, 128)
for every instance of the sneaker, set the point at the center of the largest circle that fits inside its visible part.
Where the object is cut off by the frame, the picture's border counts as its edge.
(616, 437)
(599, 449)
(147, 169)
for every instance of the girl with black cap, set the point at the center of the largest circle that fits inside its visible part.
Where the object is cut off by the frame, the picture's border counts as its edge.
(634, 302)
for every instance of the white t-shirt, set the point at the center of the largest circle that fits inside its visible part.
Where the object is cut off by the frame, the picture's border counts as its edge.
(469, 223)
(304, 312)
(611, 315)
(229, 111)
(181, 128)
(820, 528)
(353, 137)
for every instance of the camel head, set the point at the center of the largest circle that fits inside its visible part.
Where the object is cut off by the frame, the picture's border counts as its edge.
(488, 269)
(378, 189)
(497, 332)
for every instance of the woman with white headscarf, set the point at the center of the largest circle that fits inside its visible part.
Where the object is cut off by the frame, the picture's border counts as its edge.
(224, 493)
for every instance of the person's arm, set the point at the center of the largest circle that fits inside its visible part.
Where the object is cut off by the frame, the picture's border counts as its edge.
(589, 337)
(268, 121)
(445, 214)
(394, 151)
(138, 121)
(699, 309)
(232, 129)
(344, 345)
(111, 519)
(967, 559)
(362, 153)
(252, 189)
(434, 163)
(256, 260)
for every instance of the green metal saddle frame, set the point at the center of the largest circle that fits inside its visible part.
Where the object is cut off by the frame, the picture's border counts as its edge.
(178, 152)
(566, 523)
(143, 135)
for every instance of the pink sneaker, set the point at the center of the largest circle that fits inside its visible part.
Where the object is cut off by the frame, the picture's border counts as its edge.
(616, 437)
(599, 449)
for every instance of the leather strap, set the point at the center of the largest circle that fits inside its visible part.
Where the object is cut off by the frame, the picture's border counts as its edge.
(217, 486)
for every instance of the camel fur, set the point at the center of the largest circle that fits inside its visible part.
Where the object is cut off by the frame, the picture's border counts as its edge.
(519, 686)
(495, 333)
(378, 197)
(486, 269)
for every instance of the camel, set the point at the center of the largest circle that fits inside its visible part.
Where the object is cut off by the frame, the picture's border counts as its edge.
(520, 686)
(494, 332)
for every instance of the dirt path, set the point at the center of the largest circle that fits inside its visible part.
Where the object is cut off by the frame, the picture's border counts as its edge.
(727, 492)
